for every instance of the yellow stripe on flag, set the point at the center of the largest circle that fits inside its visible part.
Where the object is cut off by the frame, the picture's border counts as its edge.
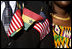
(18, 30)
(27, 19)
(15, 32)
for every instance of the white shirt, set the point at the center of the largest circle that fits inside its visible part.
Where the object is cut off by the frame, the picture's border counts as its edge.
(12, 4)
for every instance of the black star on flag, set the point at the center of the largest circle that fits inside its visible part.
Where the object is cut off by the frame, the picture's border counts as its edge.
(30, 21)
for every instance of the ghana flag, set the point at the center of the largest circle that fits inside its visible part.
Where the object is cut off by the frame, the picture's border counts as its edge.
(29, 17)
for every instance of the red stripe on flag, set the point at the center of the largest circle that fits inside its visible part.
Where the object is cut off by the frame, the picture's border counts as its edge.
(38, 27)
(15, 23)
(20, 18)
(42, 31)
(45, 28)
(18, 13)
(31, 14)
(9, 31)
(17, 20)
(48, 25)
(37, 30)
(44, 25)
(48, 22)
(13, 26)
(7, 34)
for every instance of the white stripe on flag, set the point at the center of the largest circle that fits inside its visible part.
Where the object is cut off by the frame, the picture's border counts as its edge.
(8, 33)
(38, 29)
(47, 21)
(16, 22)
(14, 25)
(44, 27)
(18, 19)
(48, 25)
(10, 30)
(39, 26)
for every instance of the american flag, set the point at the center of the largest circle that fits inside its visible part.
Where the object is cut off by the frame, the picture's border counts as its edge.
(42, 28)
(16, 23)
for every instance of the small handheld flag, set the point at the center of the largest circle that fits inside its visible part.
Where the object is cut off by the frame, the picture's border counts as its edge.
(29, 17)
(16, 24)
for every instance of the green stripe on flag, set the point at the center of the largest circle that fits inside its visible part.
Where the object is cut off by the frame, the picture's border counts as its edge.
(15, 32)
(26, 25)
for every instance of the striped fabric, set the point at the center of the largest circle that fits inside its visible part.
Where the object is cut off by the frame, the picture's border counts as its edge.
(62, 36)
(16, 23)
(42, 28)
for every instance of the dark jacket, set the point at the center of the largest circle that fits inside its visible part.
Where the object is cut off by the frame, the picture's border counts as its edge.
(5, 40)
(29, 38)
(23, 39)
(26, 39)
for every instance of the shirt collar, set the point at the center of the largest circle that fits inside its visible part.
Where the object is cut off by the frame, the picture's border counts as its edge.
(13, 5)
